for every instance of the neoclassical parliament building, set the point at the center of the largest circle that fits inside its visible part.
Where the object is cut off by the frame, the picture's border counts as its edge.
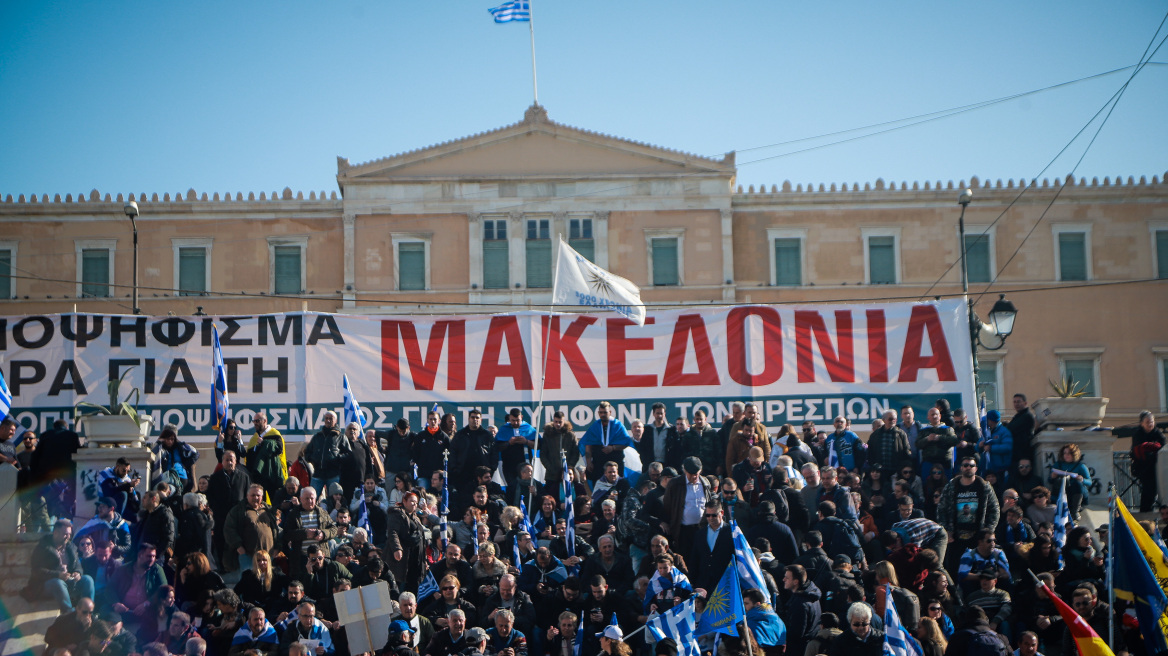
(468, 226)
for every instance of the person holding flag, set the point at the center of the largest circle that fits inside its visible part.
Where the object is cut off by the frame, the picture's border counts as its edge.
(605, 441)
(766, 627)
(677, 624)
(220, 405)
(713, 548)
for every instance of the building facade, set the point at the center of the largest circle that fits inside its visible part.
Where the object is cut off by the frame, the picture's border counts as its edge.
(470, 226)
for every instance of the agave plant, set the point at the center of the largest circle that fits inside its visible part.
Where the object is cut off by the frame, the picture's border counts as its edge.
(117, 405)
(1067, 388)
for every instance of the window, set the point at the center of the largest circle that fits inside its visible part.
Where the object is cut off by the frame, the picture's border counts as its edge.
(7, 262)
(1084, 371)
(1072, 251)
(988, 375)
(496, 255)
(192, 266)
(539, 254)
(580, 238)
(979, 257)
(411, 256)
(1160, 244)
(786, 255)
(665, 246)
(287, 264)
(95, 267)
(881, 255)
(1162, 374)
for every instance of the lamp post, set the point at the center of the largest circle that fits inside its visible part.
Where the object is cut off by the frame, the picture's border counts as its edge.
(131, 210)
(1002, 314)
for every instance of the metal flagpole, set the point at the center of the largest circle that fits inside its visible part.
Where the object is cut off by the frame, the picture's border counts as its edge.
(1111, 506)
(547, 338)
(531, 26)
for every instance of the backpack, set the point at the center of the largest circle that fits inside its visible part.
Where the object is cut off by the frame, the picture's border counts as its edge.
(986, 643)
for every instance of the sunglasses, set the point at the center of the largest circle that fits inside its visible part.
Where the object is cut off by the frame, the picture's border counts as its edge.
(448, 587)
(861, 624)
(711, 514)
(968, 465)
(935, 609)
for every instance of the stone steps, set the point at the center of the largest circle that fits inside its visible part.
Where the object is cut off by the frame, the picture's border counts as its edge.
(23, 625)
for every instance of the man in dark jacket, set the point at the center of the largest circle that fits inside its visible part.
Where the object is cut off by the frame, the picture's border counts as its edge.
(682, 503)
(802, 608)
(473, 446)
(1022, 426)
(226, 488)
(55, 569)
(713, 548)
(974, 627)
(968, 503)
(813, 558)
(790, 505)
(156, 525)
(326, 451)
(782, 539)
(509, 597)
(659, 434)
(702, 441)
(305, 524)
(70, 630)
(889, 446)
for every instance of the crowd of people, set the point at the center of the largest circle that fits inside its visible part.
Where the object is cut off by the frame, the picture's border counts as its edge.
(942, 517)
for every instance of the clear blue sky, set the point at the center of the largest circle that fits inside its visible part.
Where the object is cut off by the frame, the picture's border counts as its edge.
(259, 95)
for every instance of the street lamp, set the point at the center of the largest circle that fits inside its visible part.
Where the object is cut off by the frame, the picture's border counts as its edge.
(131, 210)
(991, 336)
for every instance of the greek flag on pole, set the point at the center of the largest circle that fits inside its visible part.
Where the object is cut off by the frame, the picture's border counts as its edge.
(570, 515)
(498, 477)
(832, 456)
(897, 640)
(677, 623)
(983, 418)
(352, 408)
(579, 637)
(748, 570)
(5, 398)
(524, 520)
(362, 518)
(512, 12)
(427, 587)
(444, 509)
(516, 557)
(1062, 516)
(220, 405)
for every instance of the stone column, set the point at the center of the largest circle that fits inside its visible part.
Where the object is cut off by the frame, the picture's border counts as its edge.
(350, 289)
(1096, 446)
(9, 504)
(727, 255)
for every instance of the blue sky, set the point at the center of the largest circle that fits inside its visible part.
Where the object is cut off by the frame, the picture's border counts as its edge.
(259, 95)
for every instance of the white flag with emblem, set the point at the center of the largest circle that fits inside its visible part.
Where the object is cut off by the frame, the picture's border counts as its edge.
(580, 282)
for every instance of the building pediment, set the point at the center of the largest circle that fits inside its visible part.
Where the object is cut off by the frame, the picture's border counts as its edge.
(536, 147)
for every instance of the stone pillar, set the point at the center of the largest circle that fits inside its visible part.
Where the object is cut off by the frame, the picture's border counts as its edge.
(9, 504)
(1162, 476)
(728, 283)
(350, 236)
(92, 459)
(1096, 446)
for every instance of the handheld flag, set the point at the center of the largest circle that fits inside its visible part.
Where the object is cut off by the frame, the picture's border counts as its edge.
(1136, 568)
(1062, 516)
(352, 408)
(427, 587)
(983, 417)
(745, 562)
(1088, 642)
(724, 608)
(362, 518)
(832, 457)
(5, 398)
(435, 408)
(579, 637)
(569, 524)
(897, 640)
(220, 405)
(516, 557)
(444, 507)
(524, 519)
(580, 282)
(515, 11)
(676, 623)
(498, 477)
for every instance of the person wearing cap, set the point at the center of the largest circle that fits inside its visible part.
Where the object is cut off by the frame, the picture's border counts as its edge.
(503, 639)
(401, 636)
(307, 627)
(612, 641)
(107, 523)
(684, 501)
(476, 642)
(994, 601)
(998, 446)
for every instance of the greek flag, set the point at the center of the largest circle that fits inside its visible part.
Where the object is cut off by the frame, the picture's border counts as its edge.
(220, 405)
(570, 515)
(444, 509)
(1062, 516)
(6, 397)
(362, 518)
(897, 640)
(677, 623)
(516, 557)
(579, 637)
(748, 570)
(524, 520)
(832, 456)
(498, 477)
(427, 587)
(514, 11)
(983, 418)
(352, 408)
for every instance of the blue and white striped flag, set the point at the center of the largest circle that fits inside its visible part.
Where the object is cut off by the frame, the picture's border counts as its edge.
(513, 11)
(569, 514)
(516, 557)
(362, 518)
(749, 572)
(498, 477)
(983, 417)
(579, 642)
(524, 519)
(352, 408)
(427, 587)
(1062, 517)
(677, 623)
(220, 405)
(5, 398)
(897, 640)
(832, 457)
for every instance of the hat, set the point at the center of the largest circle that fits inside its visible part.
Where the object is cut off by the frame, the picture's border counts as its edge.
(1102, 528)
(475, 635)
(692, 465)
(400, 626)
(335, 488)
(612, 631)
(107, 502)
(988, 573)
(842, 559)
(994, 415)
(670, 472)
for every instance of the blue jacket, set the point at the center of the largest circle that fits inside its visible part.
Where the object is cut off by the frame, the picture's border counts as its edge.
(846, 447)
(1001, 442)
(767, 627)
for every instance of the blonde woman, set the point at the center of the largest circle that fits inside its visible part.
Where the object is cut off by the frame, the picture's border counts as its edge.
(487, 570)
(263, 583)
(932, 638)
(509, 521)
